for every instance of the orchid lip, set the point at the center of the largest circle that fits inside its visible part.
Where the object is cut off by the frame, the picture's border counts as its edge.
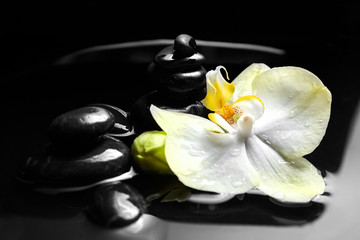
(245, 125)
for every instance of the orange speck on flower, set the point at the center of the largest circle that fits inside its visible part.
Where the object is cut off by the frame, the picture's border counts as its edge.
(226, 111)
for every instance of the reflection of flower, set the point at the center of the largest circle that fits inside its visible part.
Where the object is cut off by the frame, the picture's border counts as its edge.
(266, 121)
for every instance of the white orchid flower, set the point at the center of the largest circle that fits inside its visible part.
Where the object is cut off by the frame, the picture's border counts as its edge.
(264, 122)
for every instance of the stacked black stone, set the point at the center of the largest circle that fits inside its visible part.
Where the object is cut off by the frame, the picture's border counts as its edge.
(81, 150)
(180, 81)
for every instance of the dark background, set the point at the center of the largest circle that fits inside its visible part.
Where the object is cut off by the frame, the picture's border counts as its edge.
(36, 33)
(321, 38)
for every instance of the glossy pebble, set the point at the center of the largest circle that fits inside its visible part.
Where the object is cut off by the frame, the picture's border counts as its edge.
(106, 158)
(81, 125)
(184, 45)
(115, 205)
(122, 126)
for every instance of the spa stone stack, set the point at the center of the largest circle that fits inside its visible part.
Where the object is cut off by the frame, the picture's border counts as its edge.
(180, 81)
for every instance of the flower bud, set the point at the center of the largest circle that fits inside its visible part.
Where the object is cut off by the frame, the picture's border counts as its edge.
(148, 152)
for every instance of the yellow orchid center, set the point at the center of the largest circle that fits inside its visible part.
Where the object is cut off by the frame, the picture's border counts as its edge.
(227, 112)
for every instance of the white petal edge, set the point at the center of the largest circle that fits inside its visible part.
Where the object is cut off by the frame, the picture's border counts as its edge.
(171, 121)
(287, 180)
(243, 82)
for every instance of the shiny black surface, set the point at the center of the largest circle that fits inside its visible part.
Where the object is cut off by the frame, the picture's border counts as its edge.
(115, 205)
(80, 125)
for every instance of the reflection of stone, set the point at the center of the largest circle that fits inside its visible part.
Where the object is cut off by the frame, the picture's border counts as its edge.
(180, 82)
(115, 205)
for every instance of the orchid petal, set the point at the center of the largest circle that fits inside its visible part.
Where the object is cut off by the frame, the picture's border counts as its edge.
(297, 110)
(203, 159)
(219, 120)
(287, 180)
(243, 82)
(250, 105)
(171, 121)
(219, 91)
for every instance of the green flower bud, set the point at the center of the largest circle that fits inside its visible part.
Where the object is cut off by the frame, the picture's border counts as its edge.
(148, 152)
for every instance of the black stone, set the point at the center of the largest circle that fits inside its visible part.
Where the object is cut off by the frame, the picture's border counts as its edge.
(115, 205)
(107, 157)
(80, 126)
(185, 84)
(177, 71)
(184, 45)
(122, 126)
(167, 58)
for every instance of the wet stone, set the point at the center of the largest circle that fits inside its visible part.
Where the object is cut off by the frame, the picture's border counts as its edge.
(184, 46)
(106, 158)
(122, 126)
(115, 205)
(81, 125)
